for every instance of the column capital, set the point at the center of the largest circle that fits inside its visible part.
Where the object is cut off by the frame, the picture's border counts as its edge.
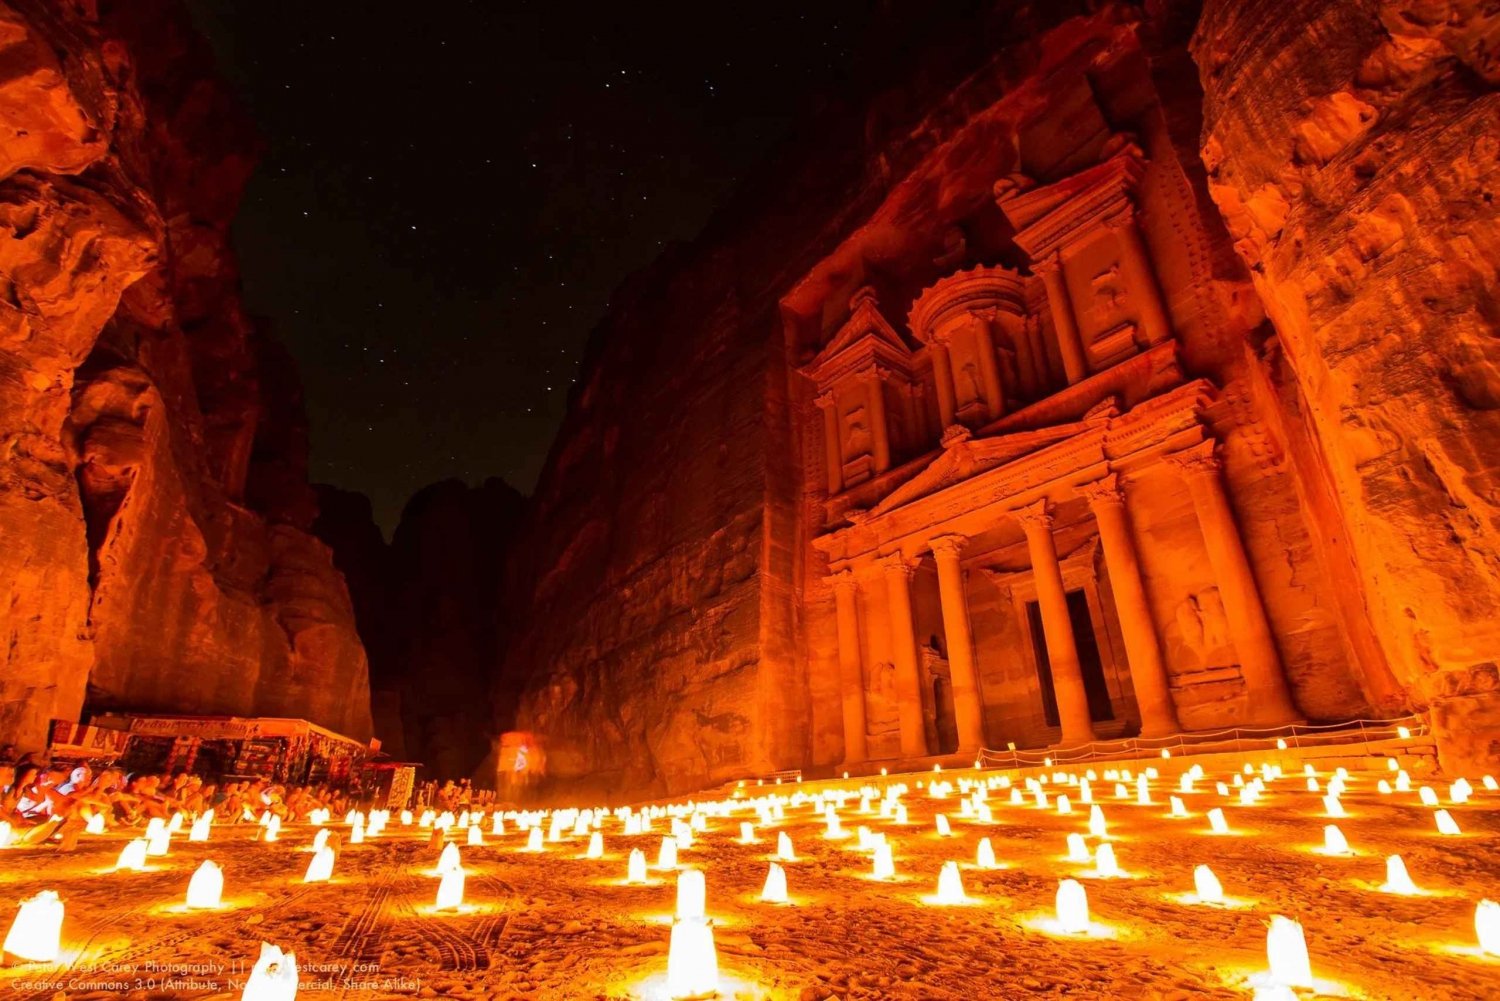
(1048, 265)
(844, 581)
(895, 563)
(1104, 491)
(985, 314)
(1198, 460)
(1037, 515)
(1123, 221)
(825, 400)
(875, 373)
(948, 546)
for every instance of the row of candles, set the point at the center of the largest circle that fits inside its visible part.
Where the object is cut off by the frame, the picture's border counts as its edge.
(692, 963)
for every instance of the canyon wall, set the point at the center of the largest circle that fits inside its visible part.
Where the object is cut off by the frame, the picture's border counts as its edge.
(428, 609)
(154, 499)
(1353, 147)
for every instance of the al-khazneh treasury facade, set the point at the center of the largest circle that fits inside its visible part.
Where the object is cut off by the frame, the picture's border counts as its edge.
(1027, 493)
(1134, 376)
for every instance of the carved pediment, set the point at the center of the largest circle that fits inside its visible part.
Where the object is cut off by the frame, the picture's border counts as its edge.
(1051, 217)
(863, 339)
(967, 457)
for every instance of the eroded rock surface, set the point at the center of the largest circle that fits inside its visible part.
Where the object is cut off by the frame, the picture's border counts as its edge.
(154, 496)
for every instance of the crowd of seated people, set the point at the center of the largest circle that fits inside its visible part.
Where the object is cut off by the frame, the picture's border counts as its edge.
(40, 800)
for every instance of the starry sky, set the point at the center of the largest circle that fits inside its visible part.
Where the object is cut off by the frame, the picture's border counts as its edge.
(448, 197)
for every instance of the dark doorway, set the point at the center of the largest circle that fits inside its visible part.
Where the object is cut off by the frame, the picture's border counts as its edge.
(1088, 660)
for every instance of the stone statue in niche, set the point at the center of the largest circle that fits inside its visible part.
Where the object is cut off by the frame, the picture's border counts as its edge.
(881, 710)
(1109, 293)
(1202, 626)
(971, 384)
(857, 440)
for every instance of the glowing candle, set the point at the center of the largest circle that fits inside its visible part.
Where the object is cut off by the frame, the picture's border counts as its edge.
(774, 892)
(158, 843)
(635, 871)
(1178, 809)
(133, 856)
(448, 860)
(943, 828)
(692, 962)
(35, 935)
(6, 835)
(1490, 783)
(1384, 787)
(747, 833)
(450, 892)
(1096, 821)
(206, 888)
(1445, 822)
(985, 857)
(534, 840)
(272, 829)
(95, 824)
(475, 836)
(1486, 926)
(596, 846)
(1216, 821)
(1403, 733)
(691, 894)
(357, 833)
(1120, 791)
(784, 848)
(1286, 953)
(1072, 907)
(666, 858)
(320, 869)
(900, 813)
(274, 976)
(1334, 842)
(1332, 807)
(1397, 880)
(1104, 861)
(950, 888)
(832, 829)
(406, 818)
(1142, 792)
(1185, 783)
(1403, 781)
(1206, 885)
(883, 866)
(1429, 798)
(1063, 806)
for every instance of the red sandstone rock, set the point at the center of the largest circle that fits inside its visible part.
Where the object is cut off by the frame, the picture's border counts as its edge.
(154, 501)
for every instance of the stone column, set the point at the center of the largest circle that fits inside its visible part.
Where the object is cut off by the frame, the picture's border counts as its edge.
(1265, 681)
(834, 456)
(968, 707)
(1148, 671)
(942, 374)
(875, 384)
(984, 320)
(1069, 341)
(851, 671)
(1140, 280)
(1057, 625)
(898, 574)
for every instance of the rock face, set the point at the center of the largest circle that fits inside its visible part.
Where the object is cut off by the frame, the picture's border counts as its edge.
(154, 497)
(1222, 283)
(1354, 149)
(428, 610)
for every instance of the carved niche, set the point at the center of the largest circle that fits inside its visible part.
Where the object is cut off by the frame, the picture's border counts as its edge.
(863, 380)
(1084, 240)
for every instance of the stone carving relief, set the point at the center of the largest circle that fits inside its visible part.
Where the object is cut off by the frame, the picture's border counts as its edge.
(1201, 628)
(857, 440)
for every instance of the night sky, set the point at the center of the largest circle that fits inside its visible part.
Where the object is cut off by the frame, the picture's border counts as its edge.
(448, 197)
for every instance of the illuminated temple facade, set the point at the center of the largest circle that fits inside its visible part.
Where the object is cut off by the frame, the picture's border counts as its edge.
(1021, 501)
(1067, 397)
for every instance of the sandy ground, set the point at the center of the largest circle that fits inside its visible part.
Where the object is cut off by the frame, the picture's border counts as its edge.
(556, 925)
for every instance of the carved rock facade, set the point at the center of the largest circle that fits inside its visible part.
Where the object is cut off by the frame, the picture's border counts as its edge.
(154, 498)
(976, 428)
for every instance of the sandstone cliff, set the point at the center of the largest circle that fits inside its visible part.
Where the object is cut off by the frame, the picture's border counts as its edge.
(427, 607)
(1354, 149)
(154, 498)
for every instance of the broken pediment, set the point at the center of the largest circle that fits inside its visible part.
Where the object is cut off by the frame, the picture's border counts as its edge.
(966, 457)
(863, 339)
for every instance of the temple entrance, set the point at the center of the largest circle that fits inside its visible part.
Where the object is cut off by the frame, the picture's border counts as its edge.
(1088, 660)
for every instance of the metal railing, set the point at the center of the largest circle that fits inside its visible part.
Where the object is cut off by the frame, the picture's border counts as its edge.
(1296, 735)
